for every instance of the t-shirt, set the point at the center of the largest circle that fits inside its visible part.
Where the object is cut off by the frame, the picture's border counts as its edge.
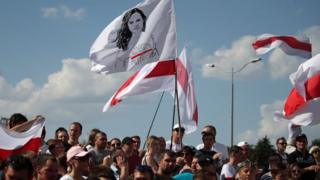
(228, 171)
(175, 147)
(217, 147)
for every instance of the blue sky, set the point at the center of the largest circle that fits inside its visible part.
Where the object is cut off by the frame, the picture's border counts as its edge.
(44, 65)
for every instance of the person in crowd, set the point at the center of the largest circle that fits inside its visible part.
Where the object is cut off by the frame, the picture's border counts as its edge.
(279, 172)
(143, 172)
(56, 148)
(62, 134)
(162, 143)
(187, 155)
(166, 165)
(16, 119)
(208, 141)
(150, 158)
(99, 151)
(91, 139)
(120, 165)
(115, 143)
(177, 136)
(18, 167)
(47, 167)
(217, 147)
(294, 130)
(294, 172)
(101, 173)
(315, 152)
(78, 160)
(245, 150)
(133, 159)
(209, 166)
(273, 160)
(229, 169)
(246, 171)
(281, 145)
(136, 144)
(75, 130)
(302, 157)
(195, 166)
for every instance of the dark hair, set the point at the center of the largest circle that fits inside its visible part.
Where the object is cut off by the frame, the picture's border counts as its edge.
(168, 152)
(279, 139)
(211, 127)
(126, 140)
(124, 34)
(60, 129)
(43, 158)
(188, 149)
(144, 169)
(92, 136)
(235, 149)
(78, 124)
(15, 119)
(18, 162)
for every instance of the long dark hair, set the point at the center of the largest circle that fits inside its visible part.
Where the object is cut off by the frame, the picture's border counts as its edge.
(124, 34)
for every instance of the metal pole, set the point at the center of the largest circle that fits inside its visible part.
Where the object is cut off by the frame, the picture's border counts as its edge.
(232, 93)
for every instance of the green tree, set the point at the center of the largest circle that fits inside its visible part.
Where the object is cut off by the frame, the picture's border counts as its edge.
(315, 142)
(261, 152)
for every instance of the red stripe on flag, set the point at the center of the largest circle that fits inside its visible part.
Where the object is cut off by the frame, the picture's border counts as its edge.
(140, 54)
(291, 41)
(163, 68)
(182, 75)
(32, 145)
(295, 100)
(115, 101)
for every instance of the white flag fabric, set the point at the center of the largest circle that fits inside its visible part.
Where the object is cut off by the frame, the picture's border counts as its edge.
(153, 77)
(141, 35)
(303, 103)
(296, 46)
(186, 94)
(12, 142)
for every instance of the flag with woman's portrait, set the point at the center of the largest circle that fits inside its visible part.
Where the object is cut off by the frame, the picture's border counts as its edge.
(140, 35)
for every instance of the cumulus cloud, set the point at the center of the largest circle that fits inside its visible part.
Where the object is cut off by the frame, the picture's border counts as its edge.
(224, 59)
(63, 12)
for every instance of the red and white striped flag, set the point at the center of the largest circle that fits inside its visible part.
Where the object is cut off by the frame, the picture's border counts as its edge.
(302, 106)
(186, 94)
(143, 34)
(289, 44)
(153, 77)
(12, 142)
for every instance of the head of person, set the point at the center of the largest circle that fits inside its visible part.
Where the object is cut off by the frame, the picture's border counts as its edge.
(16, 119)
(295, 171)
(208, 166)
(127, 146)
(246, 170)
(47, 167)
(245, 149)
(301, 142)
(133, 22)
(279, 172)
(62, 134)
(177, 133)
(136, 142)
(209, 129)
(92, 136)
(235, 154)
(153, 144)
(187, 154)
(195, 166)
(274, 159)
(56, 147)
(75, 130)
(100, 141)
(162, 143)
(167, 162)
(143, 172)
(115, 143)
(78, 158)
(315, 152)
(281, 144)
(18, 167)
(208, 140)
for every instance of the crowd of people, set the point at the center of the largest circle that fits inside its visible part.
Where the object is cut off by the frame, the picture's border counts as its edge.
(64, 157)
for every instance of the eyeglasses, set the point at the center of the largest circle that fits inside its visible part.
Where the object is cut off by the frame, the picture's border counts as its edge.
(115, 144)
(282, 143)
(296, 171)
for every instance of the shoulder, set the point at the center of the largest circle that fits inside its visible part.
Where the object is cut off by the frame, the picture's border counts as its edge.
(66, 177)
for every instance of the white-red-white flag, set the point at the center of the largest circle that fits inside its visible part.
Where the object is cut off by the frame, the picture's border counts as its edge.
(141, 35)
(291, 45)
(186, 94)
(302, 106)
(12, 142)
(153, 77)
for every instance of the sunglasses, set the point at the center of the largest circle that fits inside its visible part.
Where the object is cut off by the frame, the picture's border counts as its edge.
(115, 144)
(296, 171)
(282, 143)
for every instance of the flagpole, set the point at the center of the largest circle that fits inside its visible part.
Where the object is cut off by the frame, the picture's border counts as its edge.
(154, 117)
(173, 115)
(178, 107)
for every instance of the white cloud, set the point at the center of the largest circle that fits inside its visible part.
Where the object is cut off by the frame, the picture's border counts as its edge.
(63, 12)
(224, 59)
(314, 34)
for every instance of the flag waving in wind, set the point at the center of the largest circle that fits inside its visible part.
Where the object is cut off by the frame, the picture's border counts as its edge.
(12, 142)
(141, 35)
(160, 76)
(302, 106)
(289, 44)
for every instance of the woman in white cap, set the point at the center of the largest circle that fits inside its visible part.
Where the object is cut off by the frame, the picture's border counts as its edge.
(78, 160)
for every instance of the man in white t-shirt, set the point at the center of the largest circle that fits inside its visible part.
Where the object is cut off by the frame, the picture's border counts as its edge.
(217, 147)
(229, 169)
(177, 136)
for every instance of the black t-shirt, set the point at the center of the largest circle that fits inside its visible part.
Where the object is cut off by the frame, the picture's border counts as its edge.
(303, 161)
